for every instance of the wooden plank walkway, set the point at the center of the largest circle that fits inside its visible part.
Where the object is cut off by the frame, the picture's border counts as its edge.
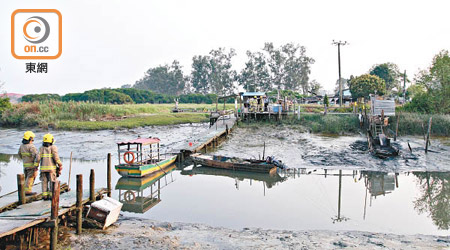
(34, 213)
(195, 144)
(10, 199)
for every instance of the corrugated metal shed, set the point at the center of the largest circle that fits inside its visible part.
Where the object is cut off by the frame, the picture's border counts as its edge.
(254, 94)
(387, 105)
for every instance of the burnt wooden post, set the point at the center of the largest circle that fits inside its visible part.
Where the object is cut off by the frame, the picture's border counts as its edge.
(92, 186)
(427, 142)
(79, 203)
(264, 150)
(21, 188)
(226, 127)
(108, 176)
(54, 215)
(396, 128)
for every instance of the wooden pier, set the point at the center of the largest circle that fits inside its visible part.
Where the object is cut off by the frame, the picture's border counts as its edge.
(22, 218)
(211, 138)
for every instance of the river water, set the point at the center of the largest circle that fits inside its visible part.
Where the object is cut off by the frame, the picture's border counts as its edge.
(336, 185)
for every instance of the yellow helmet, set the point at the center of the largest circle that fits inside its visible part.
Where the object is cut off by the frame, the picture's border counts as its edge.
(27, 135)
(48, 138)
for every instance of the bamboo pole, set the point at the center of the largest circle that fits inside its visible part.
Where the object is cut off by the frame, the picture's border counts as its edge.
(79, 203)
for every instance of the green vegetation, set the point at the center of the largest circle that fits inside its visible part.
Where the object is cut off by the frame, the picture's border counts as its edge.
(82, 115)
(123, 96)
(434, 98)
(409, 124)
(417, 124)
(390, 73)
(364, 85)
(138, 121)
(4, 104)
(41, 98)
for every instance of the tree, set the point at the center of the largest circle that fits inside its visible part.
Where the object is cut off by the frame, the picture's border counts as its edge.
(389, 72)
(222, 76)
(164, 79)
(315, 87)
(414, 90)
(289, 66)
(255, 76)
(435, 197)
(213, 73)
(326, 102)
(344, 85)
(436, 80)
(364, 85)
(4, 101)
(201, 72)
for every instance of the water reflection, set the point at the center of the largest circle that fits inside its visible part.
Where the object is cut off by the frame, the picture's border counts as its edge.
(239, 176)
(138, 195)
(434, 198)
(378, 183)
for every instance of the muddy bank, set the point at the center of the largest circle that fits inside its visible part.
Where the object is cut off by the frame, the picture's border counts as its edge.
(299, 149)
(133, 233)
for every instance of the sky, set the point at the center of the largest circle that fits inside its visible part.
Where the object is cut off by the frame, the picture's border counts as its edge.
(112, 43)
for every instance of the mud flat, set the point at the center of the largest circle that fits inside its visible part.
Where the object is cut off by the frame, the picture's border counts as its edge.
(133, 233)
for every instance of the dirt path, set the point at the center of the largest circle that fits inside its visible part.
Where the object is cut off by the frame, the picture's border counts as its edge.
(133, 233)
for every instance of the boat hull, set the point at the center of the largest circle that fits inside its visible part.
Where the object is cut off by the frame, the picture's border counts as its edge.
(138, 171)
(240, 164)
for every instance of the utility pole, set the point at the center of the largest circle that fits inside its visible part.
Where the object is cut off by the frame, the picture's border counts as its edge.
(339, 43)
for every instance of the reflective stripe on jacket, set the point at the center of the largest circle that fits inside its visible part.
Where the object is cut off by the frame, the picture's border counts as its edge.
(48, 157)
(28, 153)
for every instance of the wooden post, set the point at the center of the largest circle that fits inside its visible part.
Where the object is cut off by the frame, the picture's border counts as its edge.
(79, 203)
(428, 135)
(70, 171)
(108, 174)
(279, 113)
(21, 188)
(92, 186)
(396, 128)
(226, 127)
(217, 104)
(339, 200)
(54, 215)
(264, 150)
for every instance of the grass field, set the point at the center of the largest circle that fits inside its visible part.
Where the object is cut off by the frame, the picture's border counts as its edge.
(409, 123)
(80, 115)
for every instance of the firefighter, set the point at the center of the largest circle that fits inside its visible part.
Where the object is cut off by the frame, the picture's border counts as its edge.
(50, 164)
(28, 154)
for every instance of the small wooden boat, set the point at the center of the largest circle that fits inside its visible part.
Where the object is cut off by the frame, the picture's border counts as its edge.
(234, 163)
(141, 157)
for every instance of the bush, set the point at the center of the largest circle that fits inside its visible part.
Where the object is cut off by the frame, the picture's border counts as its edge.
(4, 104)
(41, 98)
(421, 103)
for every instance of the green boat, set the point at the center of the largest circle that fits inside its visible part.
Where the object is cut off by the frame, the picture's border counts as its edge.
(141, 157)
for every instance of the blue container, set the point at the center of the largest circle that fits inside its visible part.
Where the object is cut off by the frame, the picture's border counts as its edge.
(277, 107)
